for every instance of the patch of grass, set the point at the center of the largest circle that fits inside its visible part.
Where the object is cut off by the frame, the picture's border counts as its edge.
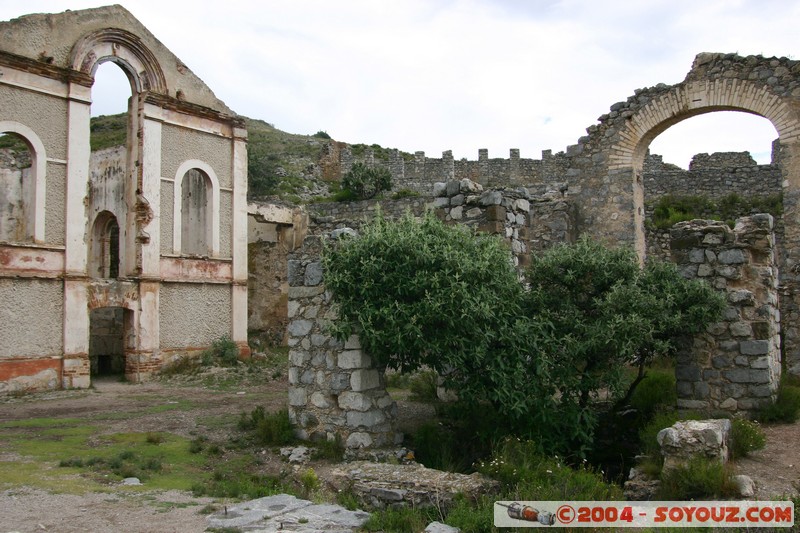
(329, 450)
(786, 408)
(154, 438)
(236, 483)
(347, 499)
(699, 479)
(268, 428)
(405, 193)
(746, 437)
(402, 520)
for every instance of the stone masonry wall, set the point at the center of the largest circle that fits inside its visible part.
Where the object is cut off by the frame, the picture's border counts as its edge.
(335, 392)
(529, 223)
(334, 389)
(735, 365)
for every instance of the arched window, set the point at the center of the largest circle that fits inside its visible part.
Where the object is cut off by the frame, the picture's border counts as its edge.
(17, 190)
(104, 249)
(196, 230)
(22, 184)
(195, 215)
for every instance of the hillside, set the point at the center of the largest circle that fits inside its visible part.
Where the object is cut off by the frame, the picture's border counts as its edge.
(281, 166)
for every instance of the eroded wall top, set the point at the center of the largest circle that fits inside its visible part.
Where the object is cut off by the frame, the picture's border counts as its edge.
(51, 38)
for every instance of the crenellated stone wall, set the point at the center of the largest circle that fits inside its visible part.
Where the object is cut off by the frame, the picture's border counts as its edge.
(735, 365)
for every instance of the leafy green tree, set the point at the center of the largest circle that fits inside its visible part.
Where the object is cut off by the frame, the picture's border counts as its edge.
(420, 293)
(608, 314)
(366, 182)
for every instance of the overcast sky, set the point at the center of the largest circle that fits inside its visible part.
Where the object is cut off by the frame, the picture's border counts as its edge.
(457, 75)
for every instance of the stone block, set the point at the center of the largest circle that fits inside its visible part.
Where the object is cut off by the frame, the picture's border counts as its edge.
(320, 400)
(697, 255)
(732, 257)
(361, 380)
(747, 375)
(761, 391)
(318, 340)
(741, 329)
(359, 439)
(354, 401)
(688, 373)
(457, 213)
(754, 347)
(453, 188)
(297, 293)
(491, 227)
(292, 308)
(298, 357)
(468, 186)
(313, 276)
(521, 204)
(297, 396)
(496, 213)
(352, 343)
(728, 405)
(694, 438)
(441, 202)
(339, 381)
(474, 212)
(299, 328)
(350, 359)
(691, 404)
(491, 198)
(439, 189)
(367, 419)
(295, 272)
(457, 200)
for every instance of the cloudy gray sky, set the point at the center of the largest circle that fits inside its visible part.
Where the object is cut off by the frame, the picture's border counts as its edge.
(457, 75)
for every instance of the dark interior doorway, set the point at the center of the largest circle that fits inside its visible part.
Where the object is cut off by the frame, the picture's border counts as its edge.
(107, 341)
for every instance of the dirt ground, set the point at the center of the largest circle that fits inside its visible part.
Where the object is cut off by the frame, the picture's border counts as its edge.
(32, 510)
(775, 469)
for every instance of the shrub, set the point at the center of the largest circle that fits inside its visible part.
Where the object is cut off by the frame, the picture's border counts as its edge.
(366, 182)
(425, 295)
(223, 352)
(423, 386)
(656, 391)
(786, 408)
(701, 478)
(746, 437)
(272, 429)
(524, 471)
(322, 135)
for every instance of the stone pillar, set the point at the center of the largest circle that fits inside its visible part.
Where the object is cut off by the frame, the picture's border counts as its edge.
(513, 170)
(448, 165)
(335, 391)
(397, 166)
(75, 366)
(735, 364)
(483, 167)
(419, 166)
(239, 267)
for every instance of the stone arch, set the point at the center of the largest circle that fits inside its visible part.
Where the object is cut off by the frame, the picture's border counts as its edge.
(125, 49)
(684, 101)
(767, 87)
(38, 172)
(213, 201)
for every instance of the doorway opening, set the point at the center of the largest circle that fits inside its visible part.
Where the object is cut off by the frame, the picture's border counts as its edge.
(107, 342)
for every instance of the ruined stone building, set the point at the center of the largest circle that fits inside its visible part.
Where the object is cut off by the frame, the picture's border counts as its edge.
(139, 255)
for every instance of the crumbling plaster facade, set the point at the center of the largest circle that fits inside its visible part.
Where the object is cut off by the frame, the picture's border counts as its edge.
(107, 229)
